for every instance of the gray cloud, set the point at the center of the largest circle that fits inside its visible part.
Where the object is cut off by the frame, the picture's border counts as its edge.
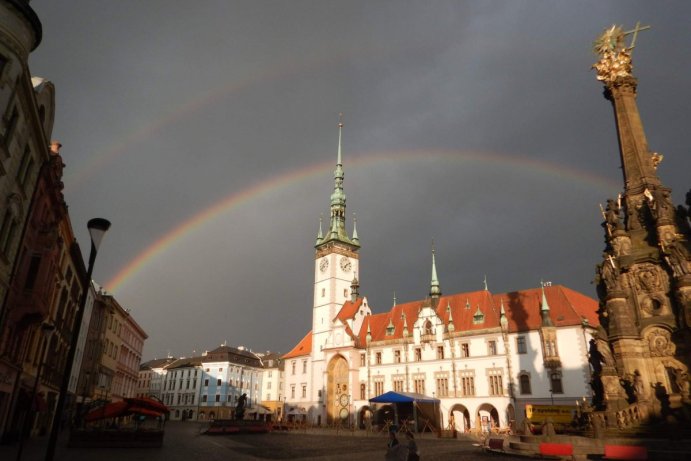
(184, 106)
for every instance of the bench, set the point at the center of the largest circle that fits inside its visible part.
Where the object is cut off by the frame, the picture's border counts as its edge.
(556, 449)
(626, 452)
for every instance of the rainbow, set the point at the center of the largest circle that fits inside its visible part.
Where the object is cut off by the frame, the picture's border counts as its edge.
(262, 188)
(252, 78)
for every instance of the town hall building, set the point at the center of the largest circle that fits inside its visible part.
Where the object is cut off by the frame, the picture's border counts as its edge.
(479, 357)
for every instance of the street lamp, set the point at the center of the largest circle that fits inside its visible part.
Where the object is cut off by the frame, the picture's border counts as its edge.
(97, 229)
(47, 329)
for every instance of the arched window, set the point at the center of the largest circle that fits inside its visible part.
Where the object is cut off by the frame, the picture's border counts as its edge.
(524, 383)
(428, 328)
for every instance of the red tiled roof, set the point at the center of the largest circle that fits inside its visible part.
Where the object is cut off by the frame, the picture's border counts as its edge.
(348, 310)
(567, 307)
(304, 347)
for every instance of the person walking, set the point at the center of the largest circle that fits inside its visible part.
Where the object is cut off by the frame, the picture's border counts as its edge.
(394, 450)
(413, 454)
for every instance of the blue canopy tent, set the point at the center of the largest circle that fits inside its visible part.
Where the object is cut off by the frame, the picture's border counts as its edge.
(417, 402)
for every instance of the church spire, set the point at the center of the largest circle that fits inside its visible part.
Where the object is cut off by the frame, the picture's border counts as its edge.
(337, 231)
(434, 289)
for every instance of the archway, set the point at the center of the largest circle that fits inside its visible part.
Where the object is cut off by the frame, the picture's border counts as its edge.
(385, 414)
(459, 418)
(511, 417)
(365, 418)
(337, 391)
(487, 417)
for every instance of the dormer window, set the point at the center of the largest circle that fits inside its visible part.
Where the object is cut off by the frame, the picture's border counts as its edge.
(478, 317)
(390, 328)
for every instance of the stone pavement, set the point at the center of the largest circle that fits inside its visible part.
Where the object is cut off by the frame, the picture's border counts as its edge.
(183, 442)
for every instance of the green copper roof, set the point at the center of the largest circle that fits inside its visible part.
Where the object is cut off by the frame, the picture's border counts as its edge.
(337, 231)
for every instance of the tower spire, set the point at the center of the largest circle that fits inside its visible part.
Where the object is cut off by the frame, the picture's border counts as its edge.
(337, 231)
(434, 289)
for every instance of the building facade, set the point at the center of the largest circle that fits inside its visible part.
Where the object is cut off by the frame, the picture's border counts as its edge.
(481, 356)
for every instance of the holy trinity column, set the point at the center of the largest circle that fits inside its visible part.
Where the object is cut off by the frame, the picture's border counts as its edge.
(641, 356)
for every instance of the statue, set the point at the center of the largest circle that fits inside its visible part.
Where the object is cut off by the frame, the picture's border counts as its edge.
(681, 381)
(676, 258)
(612, 216)
(609, 273)
(240, 407)
(662, 205)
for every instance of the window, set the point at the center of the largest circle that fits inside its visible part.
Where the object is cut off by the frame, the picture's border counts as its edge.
(418, 354)
(362, 360)
(268, 385)
(379, 387)
(398, 384)
(468, 383)
(345, 292)
(363, 390)
(292, 391)
(419, 384)
(524, 383)
(495, 383)
(397, 356)
(428, 328)
(304, 367)
(555, 381)
(465, 350)
(492, 347)
(293, 364)
(442, 386)
(440, 352)
(204, 397)
(218, 382)
(304, 391)
(377, 358)
(33, 272)
(323, 292)
(520, 346)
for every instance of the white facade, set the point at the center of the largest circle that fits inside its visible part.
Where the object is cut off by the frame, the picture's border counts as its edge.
(484, 360)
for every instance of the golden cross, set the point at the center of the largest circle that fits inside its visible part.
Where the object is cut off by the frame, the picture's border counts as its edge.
(635, 31)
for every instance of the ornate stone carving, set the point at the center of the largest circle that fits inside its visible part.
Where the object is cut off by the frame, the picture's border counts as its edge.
(659, 343)
(621, 245)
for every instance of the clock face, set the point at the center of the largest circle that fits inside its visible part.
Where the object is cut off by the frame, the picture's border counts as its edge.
(323, 264)
(343, 413)
(345, 264)
(343, 399)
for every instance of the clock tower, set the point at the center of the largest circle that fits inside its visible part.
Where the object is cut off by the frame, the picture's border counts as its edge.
(336, 263)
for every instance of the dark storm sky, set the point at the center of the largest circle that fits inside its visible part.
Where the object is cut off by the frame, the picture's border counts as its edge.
(478, 125)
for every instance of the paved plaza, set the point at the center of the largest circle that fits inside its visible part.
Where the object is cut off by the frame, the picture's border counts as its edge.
(184, 442)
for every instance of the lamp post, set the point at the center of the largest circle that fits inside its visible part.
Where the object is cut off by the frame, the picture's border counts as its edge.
(47, 329)
(97, 229)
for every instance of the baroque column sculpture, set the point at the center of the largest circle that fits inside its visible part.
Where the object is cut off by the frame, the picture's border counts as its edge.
(644, 280)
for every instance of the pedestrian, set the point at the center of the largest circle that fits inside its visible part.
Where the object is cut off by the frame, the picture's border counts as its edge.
(393, 448)
(413, 454)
